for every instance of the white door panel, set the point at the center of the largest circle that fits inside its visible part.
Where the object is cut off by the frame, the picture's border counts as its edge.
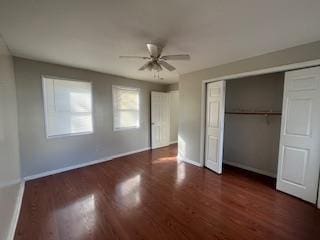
(299, 112)
(214, 125)
(299, 156)
(213, 146)
(160, 120)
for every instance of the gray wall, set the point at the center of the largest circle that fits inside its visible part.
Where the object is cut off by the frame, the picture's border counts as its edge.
(174, 115)
(189, 120)
(252, 141)
(190, 90)
(173, 87)
(39, 154)
(9, 144)
(173, 90)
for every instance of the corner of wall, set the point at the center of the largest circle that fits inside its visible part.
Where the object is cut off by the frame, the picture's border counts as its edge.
(319, 196)
(11, 186)
(16, 212)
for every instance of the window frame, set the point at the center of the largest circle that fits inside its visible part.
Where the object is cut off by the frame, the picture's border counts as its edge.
(45, 108)
(114, 107)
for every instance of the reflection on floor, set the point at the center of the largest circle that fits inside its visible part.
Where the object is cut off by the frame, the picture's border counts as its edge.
(149, 195)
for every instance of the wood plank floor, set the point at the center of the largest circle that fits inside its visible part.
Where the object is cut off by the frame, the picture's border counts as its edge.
(149, 195)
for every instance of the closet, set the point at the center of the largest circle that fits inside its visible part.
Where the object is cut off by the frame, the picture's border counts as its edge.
(269, 124)
(252, 122)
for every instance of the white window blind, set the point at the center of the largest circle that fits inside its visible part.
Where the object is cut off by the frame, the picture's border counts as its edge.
(68, 107)
(126, 108)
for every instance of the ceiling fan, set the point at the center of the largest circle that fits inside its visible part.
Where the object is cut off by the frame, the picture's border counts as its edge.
(156, 61)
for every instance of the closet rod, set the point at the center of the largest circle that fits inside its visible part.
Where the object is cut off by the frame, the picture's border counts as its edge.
(255, 113)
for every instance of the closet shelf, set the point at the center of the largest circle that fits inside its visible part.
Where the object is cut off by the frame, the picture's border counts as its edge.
(254, 113)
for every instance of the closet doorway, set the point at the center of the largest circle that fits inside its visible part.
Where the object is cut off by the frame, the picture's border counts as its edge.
(268, 124)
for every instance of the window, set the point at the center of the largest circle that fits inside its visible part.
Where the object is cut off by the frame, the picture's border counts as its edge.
(68, 107)
(125, 108)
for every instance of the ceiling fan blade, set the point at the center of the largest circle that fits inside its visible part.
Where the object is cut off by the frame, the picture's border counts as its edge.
(176, 57)
(154, 50)
(145, 66)
(138, 57)
(167, 66)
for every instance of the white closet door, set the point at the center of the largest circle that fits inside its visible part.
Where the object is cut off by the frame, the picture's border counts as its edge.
(160, 120)
(214, 125)
(299, 155)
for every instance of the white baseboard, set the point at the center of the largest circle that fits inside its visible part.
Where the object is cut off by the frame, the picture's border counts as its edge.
(319, 196)
(186, 160)
(16, 213)
(161, 146)
(239, 165)
(131, 152)
(173, 142)
(60, 170)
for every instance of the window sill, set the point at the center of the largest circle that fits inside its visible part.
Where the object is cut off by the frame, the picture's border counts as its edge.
(124, 129)
(69, 135)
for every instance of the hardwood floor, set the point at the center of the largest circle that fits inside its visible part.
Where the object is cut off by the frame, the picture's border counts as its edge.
(149, 195)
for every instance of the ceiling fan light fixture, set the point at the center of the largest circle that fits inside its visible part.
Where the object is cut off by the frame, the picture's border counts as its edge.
(150, 66)
(157, 66)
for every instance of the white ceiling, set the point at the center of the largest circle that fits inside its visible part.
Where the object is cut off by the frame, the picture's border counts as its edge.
(92, 34)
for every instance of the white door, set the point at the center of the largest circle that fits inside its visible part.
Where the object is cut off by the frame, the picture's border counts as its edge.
(299, 152)
(215, 105)
(160, 120)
